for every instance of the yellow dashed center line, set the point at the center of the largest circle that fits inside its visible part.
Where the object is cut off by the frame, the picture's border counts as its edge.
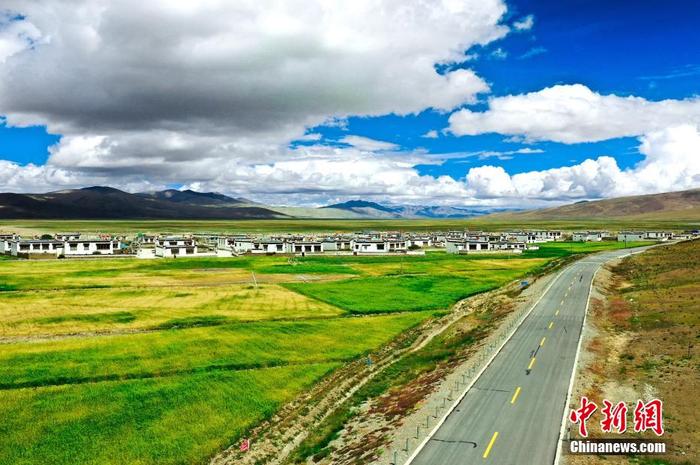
(532, 362)
(556, 313)
(551, 323)
(542, 341)
(515, 396)
(562, 302)
(488, 448)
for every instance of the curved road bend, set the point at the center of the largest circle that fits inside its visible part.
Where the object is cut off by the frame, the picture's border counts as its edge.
(514, 410)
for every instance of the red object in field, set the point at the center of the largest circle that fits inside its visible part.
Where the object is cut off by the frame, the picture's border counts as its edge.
(245, 445)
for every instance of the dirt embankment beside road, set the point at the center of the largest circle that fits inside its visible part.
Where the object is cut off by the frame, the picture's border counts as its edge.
(641, 341)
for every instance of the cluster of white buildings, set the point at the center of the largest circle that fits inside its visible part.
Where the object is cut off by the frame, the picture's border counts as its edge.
(306, 245)
(631, 236)
(627, 236)
(60, 245)
(66, 245)
(387, 243)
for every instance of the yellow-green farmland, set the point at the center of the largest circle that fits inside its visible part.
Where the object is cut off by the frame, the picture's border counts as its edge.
(115, 361)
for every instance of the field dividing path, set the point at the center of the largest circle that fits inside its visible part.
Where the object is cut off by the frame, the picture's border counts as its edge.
(513, 412)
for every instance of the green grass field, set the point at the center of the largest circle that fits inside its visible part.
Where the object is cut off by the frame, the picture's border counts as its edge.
(331, 225)
(169, 361)
(191, 350)
(180, 419)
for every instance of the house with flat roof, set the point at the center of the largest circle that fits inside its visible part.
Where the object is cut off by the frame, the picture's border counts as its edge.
(336, 244)
(29, 247)
(587, 236)
(548, 235)
(378, 246)
(268, 246)
(303, 246)
(630, 236)
(480, 245)
(236, 244)
(658, 235)
(89, 247)
(5, 242)
(174, 246)
(459, 246)
(421, 241)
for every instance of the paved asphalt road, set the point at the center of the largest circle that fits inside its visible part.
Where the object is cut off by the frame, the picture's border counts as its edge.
(514, 414)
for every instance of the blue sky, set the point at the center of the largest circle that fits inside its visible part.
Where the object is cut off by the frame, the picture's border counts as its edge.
(648, 49)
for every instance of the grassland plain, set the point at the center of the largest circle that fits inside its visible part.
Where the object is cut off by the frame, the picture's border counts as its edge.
(172, 420)
(331, 225)
(168, 352)
(168, 361)
(71, 311)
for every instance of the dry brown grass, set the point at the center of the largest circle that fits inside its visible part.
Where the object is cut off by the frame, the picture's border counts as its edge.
(33, 313)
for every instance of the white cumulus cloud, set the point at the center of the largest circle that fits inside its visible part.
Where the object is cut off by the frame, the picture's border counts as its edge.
(574, 113)
(671, 163)
(368, 144)
(525, 23)
(165, 92)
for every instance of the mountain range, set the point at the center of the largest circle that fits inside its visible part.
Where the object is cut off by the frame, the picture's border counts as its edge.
(364, 208)
(678, 206)
(100, 202)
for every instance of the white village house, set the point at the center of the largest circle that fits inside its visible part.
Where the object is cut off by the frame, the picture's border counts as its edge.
(658, 235)
(378, 246)
(480, 245)
(89, 247)
(28, 247)
(458, 246)
(268, 246)
(175, 246)
(336, 244)
(304, 247)
(236, 244)
(630, 236)
(6, 243)
(588, 236)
